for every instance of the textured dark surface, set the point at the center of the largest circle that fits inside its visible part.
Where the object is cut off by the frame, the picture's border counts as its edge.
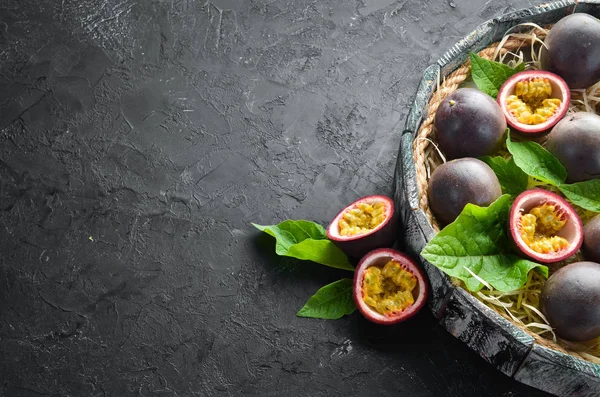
(138, 140)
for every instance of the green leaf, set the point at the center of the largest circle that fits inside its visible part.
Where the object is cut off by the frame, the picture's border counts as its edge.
(584, 194)
(306, 240)
(331, 302)
(537, 162)
(489, 75)
(512, 179)
(324, 252)
(292, 232)
(477, 241)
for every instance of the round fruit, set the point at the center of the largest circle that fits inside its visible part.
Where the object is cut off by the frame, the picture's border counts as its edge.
(458, 182)
(572, 50)
(544, 226)
(469, 123)
(534, 100)
(591, 240)
(389, 287)
(570, 300)
(575, 141)
(368, 223)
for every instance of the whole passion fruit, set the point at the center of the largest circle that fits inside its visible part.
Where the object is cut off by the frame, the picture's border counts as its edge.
(572, 50)
(533, 101)
(469, 123)
(389, 287)
(575, 141)
(591, 240)
(455, 183)
(368, 223)
(570, 300)
(544, 226)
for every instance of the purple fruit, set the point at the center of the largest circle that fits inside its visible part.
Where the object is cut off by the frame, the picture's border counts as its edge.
(469, 123)
(591, 240)
(575, 141)
(570, 301)
(572, 50)
(458, 182)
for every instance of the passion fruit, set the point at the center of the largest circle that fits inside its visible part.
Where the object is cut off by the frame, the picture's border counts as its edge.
(591, 240)
(368, 223)
(533, 101)
(572, 50)
(544, 226)
(458, 182)
(575, 142)
(389, 287)
(570, 300)
(469, 123)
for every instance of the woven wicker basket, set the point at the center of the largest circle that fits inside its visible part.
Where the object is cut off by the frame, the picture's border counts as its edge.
(513, 349)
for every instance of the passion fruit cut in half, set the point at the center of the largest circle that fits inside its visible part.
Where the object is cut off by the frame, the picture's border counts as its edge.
(368, 223)
(570, 300)
(544, 226)
(533, 101)
(389, 287)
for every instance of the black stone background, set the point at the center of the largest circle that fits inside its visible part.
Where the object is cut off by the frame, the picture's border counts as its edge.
(139, 139)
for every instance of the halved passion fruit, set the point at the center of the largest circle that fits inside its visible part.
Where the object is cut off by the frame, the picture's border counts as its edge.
(544, 226)
(389, 287)
(534, 100)
(368, 223)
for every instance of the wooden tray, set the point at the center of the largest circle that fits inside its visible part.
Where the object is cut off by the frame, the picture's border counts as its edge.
(501, 343)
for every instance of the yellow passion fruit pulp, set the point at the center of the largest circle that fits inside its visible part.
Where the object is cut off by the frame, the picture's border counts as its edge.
(532, 102)
(539, 227)
(366, 224)
(388, 289)
(544, 226)
(361, 219)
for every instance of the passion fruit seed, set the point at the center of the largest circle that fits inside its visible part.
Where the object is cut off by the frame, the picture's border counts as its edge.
(388, 290)
(361, 219)
(539, 228)
(531, 103)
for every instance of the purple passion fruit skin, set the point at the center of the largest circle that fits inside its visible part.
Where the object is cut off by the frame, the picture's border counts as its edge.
(533, 101)
(368, 223)
(570, 300)
(458, 182)
(389, 287)
(544, 226)
(572, 50)
(575, 142)
(591, 240)
(469, 123)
